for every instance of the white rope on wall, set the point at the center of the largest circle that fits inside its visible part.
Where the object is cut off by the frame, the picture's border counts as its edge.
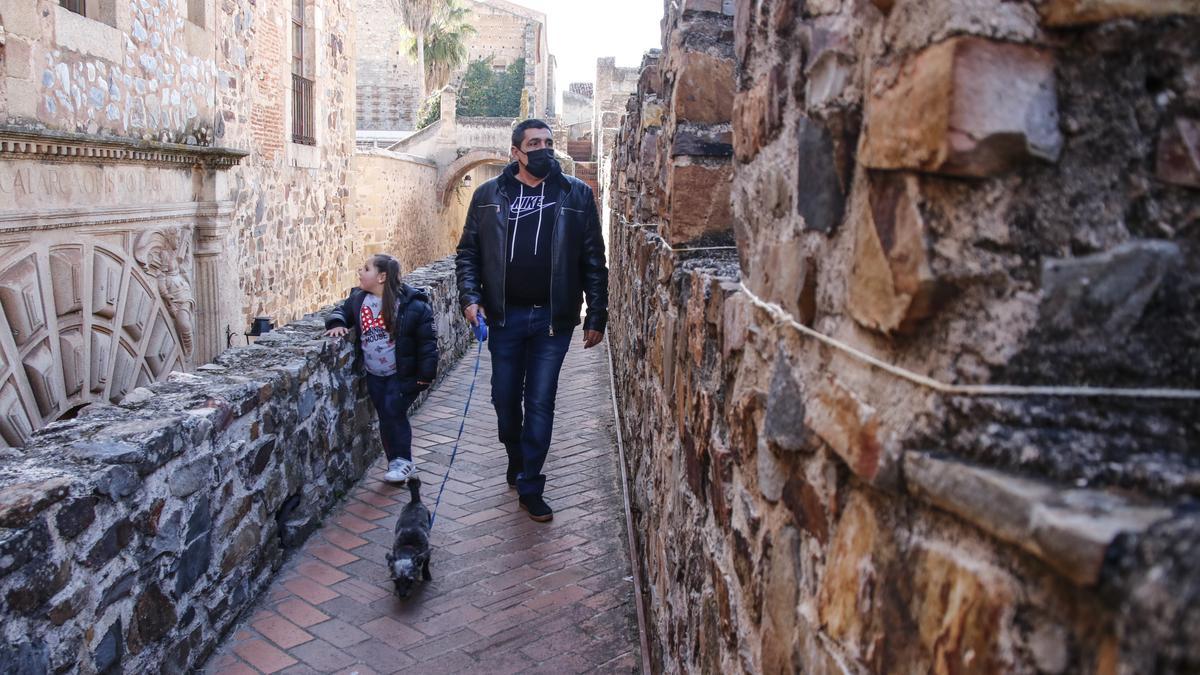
(783, 316)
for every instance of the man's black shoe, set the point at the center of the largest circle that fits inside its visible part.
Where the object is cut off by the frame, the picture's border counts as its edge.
(537, 507)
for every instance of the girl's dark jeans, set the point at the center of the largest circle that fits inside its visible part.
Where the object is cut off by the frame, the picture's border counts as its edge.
(392, 401)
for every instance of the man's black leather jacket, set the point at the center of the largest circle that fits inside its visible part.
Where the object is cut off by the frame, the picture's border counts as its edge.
(577, 265)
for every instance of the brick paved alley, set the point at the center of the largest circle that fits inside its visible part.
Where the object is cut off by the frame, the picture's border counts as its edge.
(509, 595)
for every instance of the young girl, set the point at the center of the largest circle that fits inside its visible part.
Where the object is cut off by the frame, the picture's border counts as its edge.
(397, 345)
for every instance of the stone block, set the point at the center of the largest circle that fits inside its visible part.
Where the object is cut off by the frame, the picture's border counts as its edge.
(1071, 530)
(75, 517)
(244, 541)
(808, 509)
(112, 542)
(851, 428)
(780, 598)
(21, 502)
(686, 142)
(821, 184)
(117, 482)
(1102, 297)
(704, 86)
(962, 608)
(723, 7)
(190, 477)
(1179, 152)
(1078, 12)
(650, 81)
(758, 113)
(18, 56)
(966, 106)
(892, 286)
(861, 551)
(25, 658)
(111, 648)
(153, 617)
(784, 423)
(698, 202)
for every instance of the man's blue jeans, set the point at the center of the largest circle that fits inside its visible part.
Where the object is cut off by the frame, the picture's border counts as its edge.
(526, 361)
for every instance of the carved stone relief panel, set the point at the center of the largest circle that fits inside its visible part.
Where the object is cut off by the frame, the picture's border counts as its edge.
(68, 343)
(105, 245)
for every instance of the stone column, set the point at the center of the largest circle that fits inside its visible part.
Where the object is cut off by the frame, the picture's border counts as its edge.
(449, 117)
(216, 282)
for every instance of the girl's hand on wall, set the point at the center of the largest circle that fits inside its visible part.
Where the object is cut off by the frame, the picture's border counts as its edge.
(338, 332)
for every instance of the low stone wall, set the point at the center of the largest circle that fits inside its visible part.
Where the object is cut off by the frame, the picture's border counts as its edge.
(132, 536)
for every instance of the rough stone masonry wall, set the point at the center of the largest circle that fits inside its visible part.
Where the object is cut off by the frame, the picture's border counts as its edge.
(294, 230)
(143, 69)
(396, 211)
(132, 536)
(983, 192)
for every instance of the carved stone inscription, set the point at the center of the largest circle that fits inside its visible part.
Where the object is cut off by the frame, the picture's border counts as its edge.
(26, 185)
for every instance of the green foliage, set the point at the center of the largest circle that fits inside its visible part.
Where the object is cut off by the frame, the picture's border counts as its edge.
(486, 93)
(431, 110)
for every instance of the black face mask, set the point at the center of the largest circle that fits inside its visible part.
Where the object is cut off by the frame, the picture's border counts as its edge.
(540, 163)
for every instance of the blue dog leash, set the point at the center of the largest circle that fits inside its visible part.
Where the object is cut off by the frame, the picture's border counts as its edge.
(481, 336)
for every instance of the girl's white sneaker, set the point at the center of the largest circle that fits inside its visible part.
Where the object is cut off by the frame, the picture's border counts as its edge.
(399, 470)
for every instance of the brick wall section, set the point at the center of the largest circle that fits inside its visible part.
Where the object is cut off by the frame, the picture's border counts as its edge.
(388, 93)
(975, 194)
(135, 535)
(267, 119)
(388, 89)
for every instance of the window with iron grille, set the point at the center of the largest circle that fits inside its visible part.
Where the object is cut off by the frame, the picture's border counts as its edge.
(302, 87)
(76, 6)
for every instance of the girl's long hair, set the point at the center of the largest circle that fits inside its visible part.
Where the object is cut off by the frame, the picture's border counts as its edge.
(391, 288)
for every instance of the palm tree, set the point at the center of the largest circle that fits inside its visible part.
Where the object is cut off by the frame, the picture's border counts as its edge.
(445, 43)
(417, 15)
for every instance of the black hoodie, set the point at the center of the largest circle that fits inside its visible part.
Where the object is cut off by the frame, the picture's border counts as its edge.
(531, 214)
(413, 332)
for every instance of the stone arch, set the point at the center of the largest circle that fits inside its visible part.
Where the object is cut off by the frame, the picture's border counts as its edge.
(83, 319)
(453, 173)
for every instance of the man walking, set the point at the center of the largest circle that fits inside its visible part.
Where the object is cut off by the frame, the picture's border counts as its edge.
(531, 250)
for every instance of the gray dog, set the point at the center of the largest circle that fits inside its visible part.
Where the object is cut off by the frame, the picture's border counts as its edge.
(410, 552)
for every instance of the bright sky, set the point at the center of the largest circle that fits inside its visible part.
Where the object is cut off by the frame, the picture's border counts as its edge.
(582, 31)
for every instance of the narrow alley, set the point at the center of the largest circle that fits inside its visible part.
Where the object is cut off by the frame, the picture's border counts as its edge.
(509, 595)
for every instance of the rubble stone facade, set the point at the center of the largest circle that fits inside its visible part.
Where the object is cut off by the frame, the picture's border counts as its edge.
(149, 157)
(976, 192)
(133, 537)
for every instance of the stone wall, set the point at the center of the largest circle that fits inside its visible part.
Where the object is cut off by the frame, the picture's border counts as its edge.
(612, 89)
(396, 212)
(388, 94)
(202, 73)
(292, 218)
(133, 536)
(982, 193)
(389, 91)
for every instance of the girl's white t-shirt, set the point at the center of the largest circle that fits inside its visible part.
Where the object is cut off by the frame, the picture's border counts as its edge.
(379, 350)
